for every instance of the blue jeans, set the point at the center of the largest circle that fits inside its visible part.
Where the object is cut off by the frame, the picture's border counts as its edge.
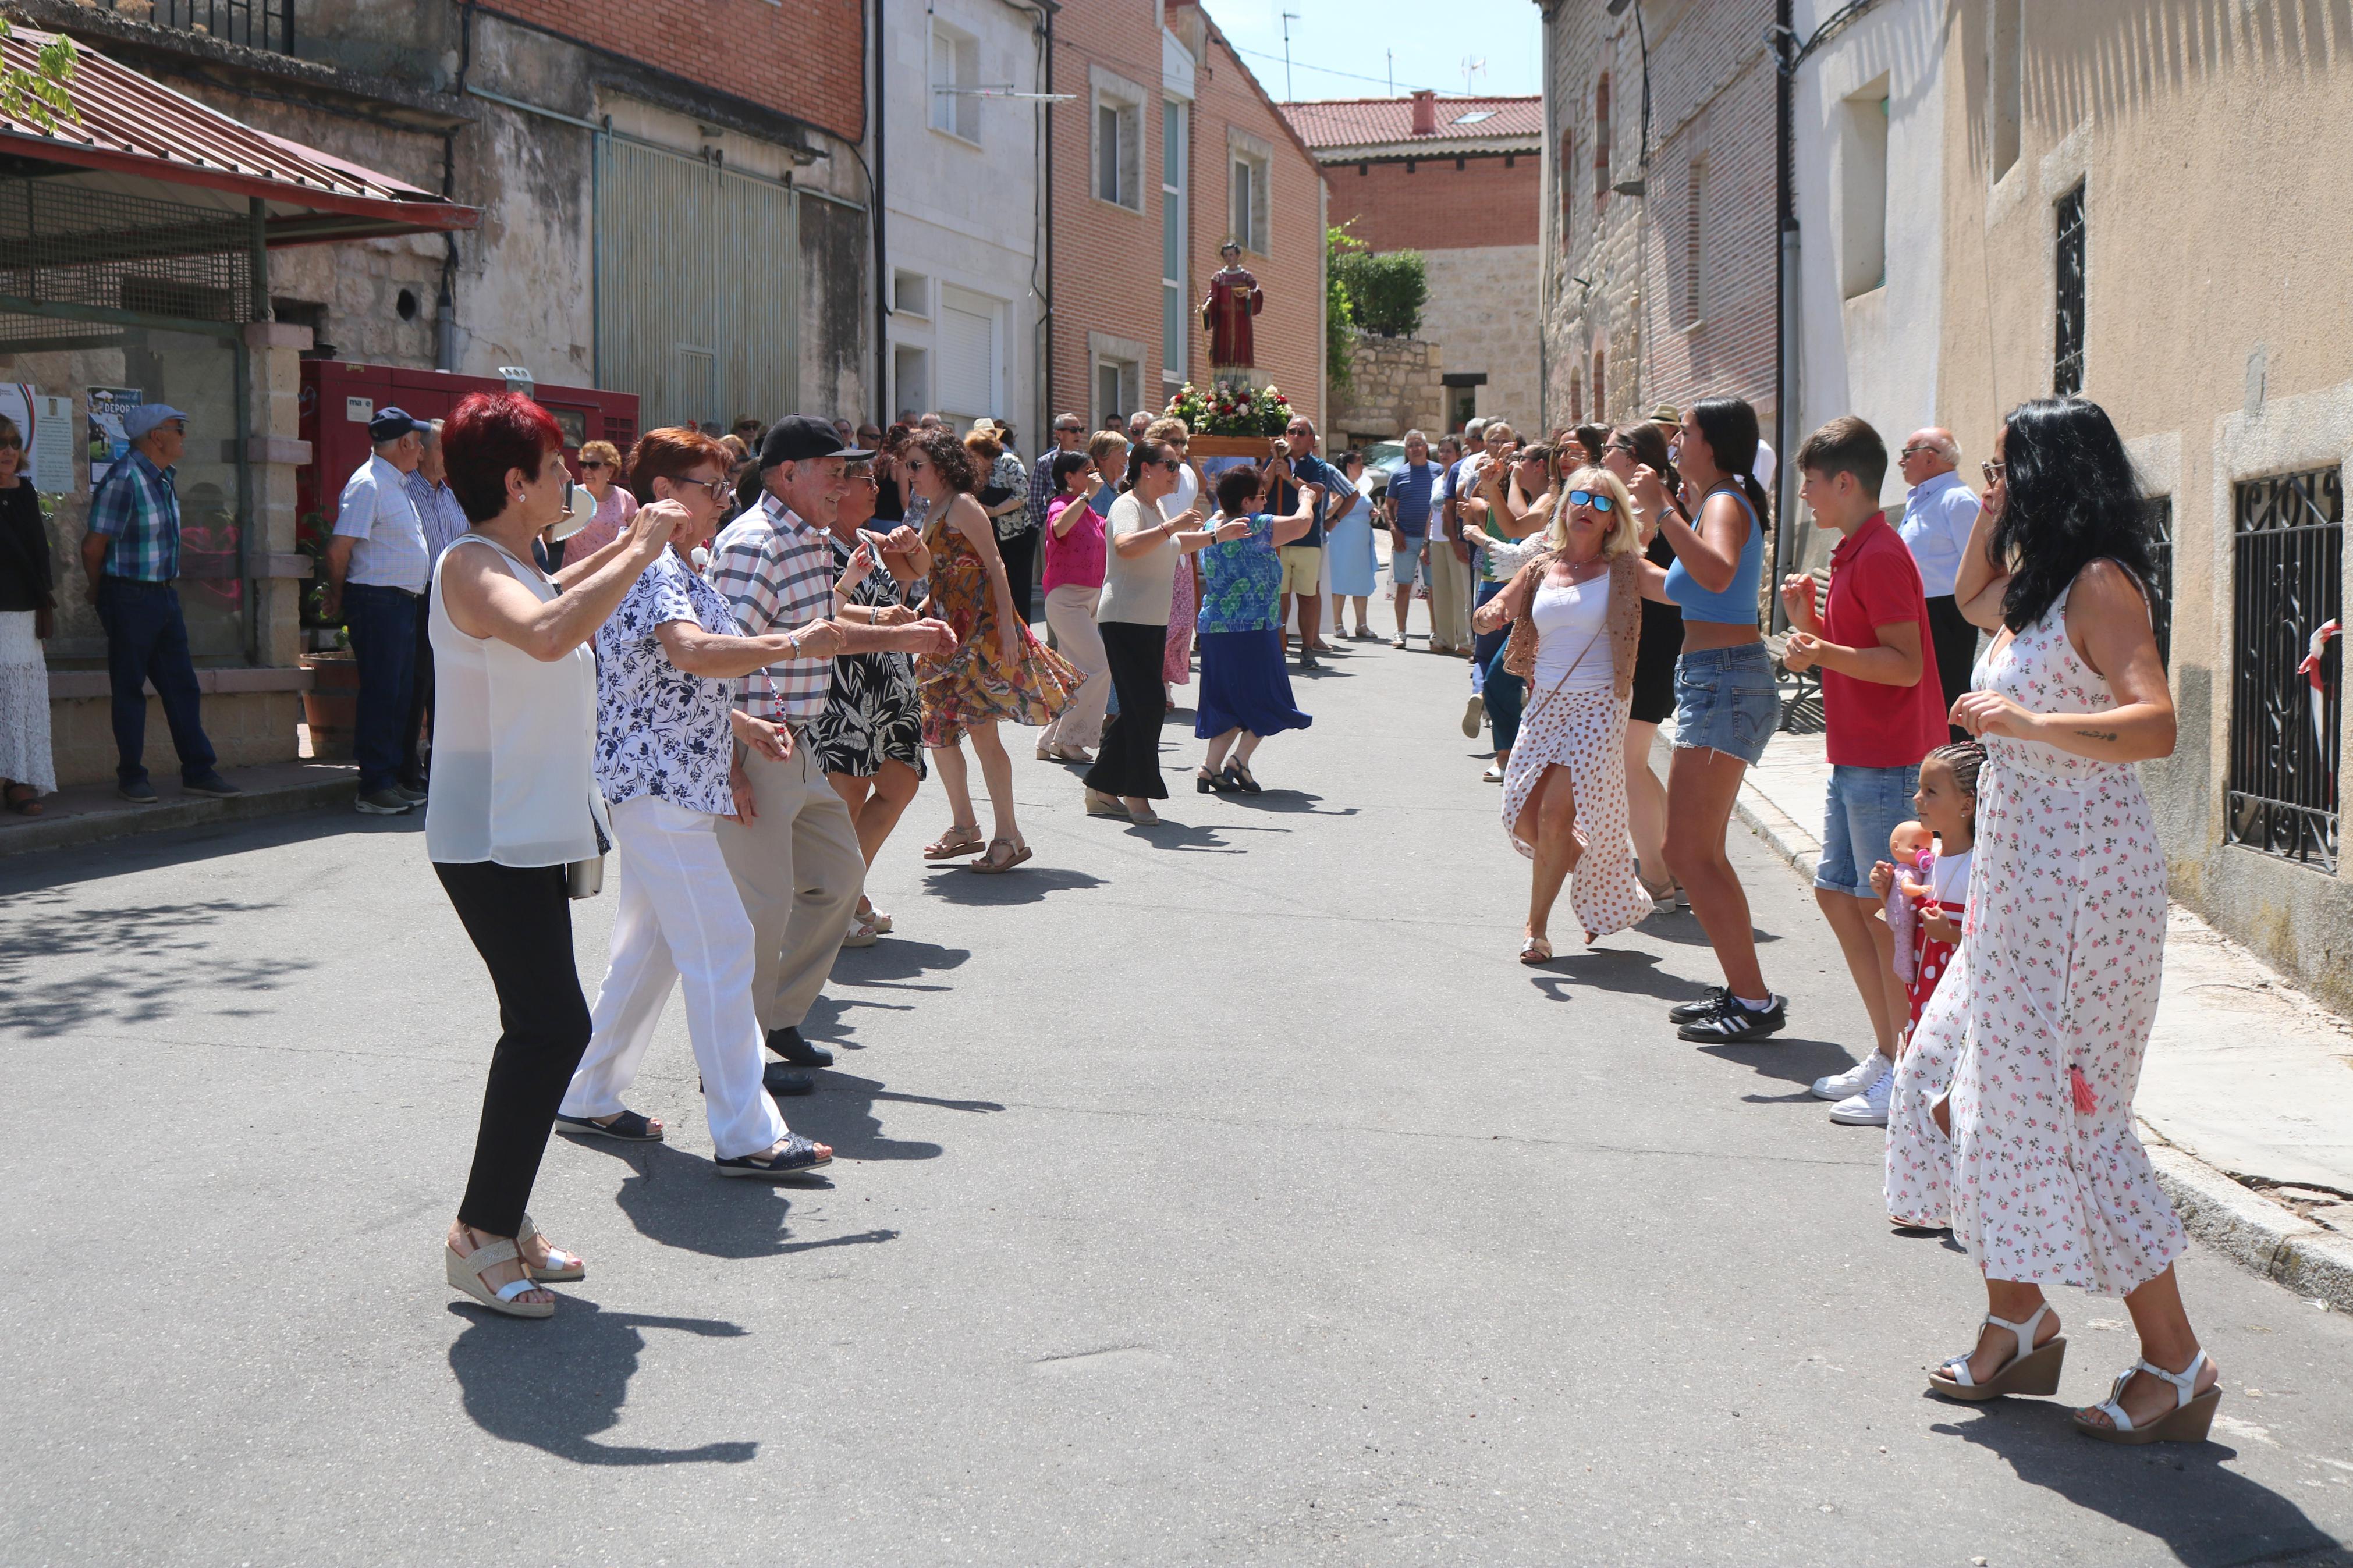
(1726, 701)
(1506, 693)
(382, 626)
(147, 640)
(1862, 807)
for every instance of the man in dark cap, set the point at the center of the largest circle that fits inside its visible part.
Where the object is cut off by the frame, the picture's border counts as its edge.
(796, 858)
(377, 568)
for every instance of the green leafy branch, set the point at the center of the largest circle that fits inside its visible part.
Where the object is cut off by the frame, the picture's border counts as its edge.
(39, 95)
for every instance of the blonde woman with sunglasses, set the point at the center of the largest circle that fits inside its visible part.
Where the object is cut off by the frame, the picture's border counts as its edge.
(600, 472)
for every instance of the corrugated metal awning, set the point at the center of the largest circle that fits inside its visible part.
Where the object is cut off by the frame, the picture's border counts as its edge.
(136, 133)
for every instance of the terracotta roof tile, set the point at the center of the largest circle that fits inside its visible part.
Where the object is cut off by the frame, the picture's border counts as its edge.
(1377, 122)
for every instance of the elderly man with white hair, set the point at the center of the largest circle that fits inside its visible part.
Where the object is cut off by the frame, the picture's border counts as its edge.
(1937, 517)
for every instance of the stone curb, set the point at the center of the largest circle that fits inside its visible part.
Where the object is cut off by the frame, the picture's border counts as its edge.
(198, 811)
(2272, 1239)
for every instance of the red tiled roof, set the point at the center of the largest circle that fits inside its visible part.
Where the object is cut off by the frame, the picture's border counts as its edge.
(1378, 121)
(132, 124)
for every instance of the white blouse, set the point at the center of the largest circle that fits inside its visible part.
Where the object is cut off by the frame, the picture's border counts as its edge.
(514, 740)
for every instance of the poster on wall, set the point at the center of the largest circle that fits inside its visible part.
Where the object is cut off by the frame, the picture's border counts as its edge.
(108, 443)
(46, 426)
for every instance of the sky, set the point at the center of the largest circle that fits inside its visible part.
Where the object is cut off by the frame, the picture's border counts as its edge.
(1358, 36)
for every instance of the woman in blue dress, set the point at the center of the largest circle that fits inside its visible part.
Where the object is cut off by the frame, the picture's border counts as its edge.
(1245, 690)
(1348, 548)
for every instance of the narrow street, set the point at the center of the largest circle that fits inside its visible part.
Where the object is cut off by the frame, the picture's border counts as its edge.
(1217, 1193)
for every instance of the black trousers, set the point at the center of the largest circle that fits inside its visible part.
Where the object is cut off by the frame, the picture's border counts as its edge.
(420, 703)
(1128, 762)
(1021, 554)
(1955, 641)
(521, 923)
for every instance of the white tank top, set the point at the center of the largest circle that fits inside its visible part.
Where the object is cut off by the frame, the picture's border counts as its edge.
(1571, 639)
(514, 741)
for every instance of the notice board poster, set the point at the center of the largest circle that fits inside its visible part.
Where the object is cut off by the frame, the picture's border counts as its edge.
(108, 443)
(47, 426)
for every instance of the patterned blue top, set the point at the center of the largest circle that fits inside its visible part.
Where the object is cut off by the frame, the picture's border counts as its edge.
(660, 731)
(135, 503)
(1241, 581)
(1411, 487)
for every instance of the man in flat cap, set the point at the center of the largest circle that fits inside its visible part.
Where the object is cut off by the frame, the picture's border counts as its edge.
(377, 567)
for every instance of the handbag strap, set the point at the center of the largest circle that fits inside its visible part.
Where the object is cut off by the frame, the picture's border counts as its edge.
(1537, 705)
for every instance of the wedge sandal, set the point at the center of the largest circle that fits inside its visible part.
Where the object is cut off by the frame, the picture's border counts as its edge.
(2033, 1371)
(466, 1273)
(2186, 1422)
(563, 1267)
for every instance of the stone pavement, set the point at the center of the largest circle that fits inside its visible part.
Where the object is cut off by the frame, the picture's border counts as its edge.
(1219, 1192)
(2249, 1082)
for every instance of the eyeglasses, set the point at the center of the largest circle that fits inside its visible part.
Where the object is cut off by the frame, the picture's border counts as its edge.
(1911, 451)
(1596, 500)
(719, 488)
(1993, 471)
(1625, 446)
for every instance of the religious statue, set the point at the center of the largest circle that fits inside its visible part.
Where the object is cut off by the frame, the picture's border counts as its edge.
(1234, 299)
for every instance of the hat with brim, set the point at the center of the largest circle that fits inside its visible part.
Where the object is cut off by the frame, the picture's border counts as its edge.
(797, 438)
(392, 423)
(1667, 414)
(139, 420)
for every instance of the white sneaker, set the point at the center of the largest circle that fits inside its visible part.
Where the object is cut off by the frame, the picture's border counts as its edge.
(1868, 1108)
(1855, 1079)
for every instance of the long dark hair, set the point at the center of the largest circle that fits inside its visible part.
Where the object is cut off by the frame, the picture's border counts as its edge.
(1592, 438)
(1649, 443)
(1730, 426)
(1139, 455)
(2072, 498)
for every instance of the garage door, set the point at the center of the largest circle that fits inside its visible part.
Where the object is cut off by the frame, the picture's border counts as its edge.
(697, 287)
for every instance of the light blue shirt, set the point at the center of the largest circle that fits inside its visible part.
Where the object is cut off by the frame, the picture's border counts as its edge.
(1937, 518)
(376, 510)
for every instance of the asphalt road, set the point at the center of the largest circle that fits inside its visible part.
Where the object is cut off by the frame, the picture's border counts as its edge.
(1222, 1192)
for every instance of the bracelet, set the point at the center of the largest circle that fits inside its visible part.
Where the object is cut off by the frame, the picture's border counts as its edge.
(793, 641)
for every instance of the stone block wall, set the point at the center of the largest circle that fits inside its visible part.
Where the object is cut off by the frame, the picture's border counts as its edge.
(1394, 388)
(1483, 305)
(246, 729)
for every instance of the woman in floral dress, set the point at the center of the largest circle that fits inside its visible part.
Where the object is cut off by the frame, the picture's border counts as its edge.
(2065, 931)
(1000, 671)
(1245, 693)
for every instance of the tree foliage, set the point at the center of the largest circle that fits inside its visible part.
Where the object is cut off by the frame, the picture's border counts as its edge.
(1339, 309)
(39, 96)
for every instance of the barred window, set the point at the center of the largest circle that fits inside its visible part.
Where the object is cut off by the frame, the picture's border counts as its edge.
(2288, 540)
(2160, 584)
(2067, 371)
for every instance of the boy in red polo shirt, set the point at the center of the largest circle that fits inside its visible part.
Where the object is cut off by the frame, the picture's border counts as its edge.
(1883, 707)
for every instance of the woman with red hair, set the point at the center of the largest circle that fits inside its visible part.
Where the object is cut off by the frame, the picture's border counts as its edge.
(513, 800)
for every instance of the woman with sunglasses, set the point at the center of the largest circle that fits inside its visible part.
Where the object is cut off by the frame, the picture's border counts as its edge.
(600, 472)
(1574, 616)
(998, 672)
(1517, 496)
(1637, 454)
(669, 666)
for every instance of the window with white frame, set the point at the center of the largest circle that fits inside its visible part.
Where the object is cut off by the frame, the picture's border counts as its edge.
(954, 77)
(1172, 241)
(1250, 162)
(1118, 160)
(1116, 374)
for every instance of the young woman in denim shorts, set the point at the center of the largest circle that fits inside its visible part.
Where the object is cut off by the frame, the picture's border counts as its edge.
(1726, 707)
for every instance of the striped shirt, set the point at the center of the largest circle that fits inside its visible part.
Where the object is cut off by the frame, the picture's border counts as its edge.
(136, 504)
(1041, 485)
(437, 511)
(777, 571)
(375, 512)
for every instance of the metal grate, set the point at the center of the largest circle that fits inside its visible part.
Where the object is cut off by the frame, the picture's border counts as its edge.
(2160, 583)
(2067, 369)
(254, 24)
(73, 246)
(2289, 541)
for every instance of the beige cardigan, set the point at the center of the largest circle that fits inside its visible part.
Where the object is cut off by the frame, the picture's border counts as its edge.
(1511, 605)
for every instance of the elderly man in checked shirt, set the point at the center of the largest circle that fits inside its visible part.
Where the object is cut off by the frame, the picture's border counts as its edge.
(795, 856)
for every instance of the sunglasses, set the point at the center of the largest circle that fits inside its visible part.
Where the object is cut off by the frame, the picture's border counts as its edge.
(1625, 446)
(1914, 451)
(1596, 500)
(1994, 472)
(1171, 464)
(719, 490)
(588, 463)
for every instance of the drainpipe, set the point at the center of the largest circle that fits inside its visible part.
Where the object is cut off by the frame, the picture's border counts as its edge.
(1787, 292)
(445, 304)
(882, 249)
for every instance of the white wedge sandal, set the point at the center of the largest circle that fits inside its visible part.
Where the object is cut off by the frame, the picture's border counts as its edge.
(2186, 1422)
(466, 1273)
(2033, 1370)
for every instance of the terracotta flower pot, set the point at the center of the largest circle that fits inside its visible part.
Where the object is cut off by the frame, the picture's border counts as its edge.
(330, 706)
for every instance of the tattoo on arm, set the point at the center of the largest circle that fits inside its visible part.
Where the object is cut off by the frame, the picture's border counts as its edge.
(2097, 734)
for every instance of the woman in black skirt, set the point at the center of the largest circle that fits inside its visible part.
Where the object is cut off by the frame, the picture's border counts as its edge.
(1637, 454)
(1139, 582)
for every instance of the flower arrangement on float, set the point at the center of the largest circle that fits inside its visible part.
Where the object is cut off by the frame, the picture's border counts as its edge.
(1231, 408)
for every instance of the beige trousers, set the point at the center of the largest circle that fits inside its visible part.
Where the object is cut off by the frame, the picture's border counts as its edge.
(797, 865)
(1070, 613)
(1449, 596)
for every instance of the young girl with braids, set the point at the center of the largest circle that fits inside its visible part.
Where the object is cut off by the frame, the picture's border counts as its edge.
(1919, 1154)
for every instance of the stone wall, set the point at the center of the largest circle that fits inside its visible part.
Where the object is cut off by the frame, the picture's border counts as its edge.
(1393, 388)
(1483, 305)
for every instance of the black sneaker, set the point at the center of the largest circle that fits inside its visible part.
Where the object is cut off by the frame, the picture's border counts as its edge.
(140, 794)
(788, 1043)
(213, 785)
(1734, 1020)
(1709, 1001)
(384, 801)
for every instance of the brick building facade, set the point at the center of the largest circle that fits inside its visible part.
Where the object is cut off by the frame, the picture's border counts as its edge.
(1665, 291)
(1125, 333)
(1461, 181)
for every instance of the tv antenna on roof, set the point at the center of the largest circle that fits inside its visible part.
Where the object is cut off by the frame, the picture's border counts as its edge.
(1473, 66)
(1288, 18)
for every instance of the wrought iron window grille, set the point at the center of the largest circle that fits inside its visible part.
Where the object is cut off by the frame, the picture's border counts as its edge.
(253, 24)
(71, 248)
(2288, 541)
(2067, 369)
(2160, 584)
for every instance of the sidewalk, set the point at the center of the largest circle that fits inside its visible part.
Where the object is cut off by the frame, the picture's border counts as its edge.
(2246, 1100)
(85, 814)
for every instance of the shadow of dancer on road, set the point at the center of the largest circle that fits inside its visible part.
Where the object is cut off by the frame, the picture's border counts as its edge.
(556, 1388)
(676, 1199)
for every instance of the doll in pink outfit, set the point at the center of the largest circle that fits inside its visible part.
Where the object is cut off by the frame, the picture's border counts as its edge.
(1910, 848)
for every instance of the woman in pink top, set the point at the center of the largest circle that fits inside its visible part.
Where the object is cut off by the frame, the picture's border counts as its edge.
(600, 470)
(1074, 576)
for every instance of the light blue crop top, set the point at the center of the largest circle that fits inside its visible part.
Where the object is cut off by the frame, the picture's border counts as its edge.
(1736, 604)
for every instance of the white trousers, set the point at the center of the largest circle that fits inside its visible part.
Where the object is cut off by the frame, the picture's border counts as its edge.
(1070, 613)
(679, 919)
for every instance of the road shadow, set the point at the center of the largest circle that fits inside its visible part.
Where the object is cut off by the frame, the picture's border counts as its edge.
(2207, 1515)
(678, 1199)
(156, 959)
(842, 1113)
(554, 1385)
(1025, 884)
(1629, 971)
(1682, 929)
(1289, 803)
(896, 964)
(1785, 1057)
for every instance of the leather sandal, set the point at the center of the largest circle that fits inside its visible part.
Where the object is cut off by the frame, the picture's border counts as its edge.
(2186, 1422)
(989, 865)
(563, 1267)
(2033, 1370)
(963, 838)
(465, 1272)
(1535, 951)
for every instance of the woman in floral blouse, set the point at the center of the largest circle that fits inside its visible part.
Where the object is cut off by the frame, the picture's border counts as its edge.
(1245, 690)
(670, 665)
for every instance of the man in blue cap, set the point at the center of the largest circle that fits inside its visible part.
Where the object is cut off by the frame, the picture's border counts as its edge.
(377, 568)
(131, 555)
